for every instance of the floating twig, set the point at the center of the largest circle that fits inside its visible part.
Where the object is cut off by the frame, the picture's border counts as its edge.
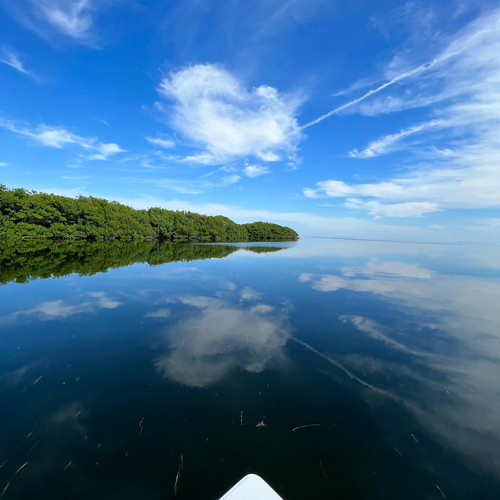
(4, 462)
(32, 448)
(397, 451)
(5, 489)
(21, 468)
(178, 475)
(322, 470)
(415, 440)
(78, 413)
(307, 425)
(36, 381)
(441, 491)
(261, 424)
(68, 465)
(241, 418)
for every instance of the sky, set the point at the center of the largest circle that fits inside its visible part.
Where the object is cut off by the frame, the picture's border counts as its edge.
(353, 119)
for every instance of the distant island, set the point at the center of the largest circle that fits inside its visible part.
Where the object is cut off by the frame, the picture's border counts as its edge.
(28, 215)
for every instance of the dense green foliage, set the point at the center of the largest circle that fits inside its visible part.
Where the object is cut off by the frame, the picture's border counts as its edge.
(23, 261)
(32, 215)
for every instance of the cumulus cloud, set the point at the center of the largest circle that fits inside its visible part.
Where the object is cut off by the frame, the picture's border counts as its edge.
(255, 170)
(58, 137)
(212, 108)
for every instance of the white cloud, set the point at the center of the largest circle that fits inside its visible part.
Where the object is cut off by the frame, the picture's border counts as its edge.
(190, 186)
(70, 18)
(58, 137)
(388, 143)
(212, 108)
(2, 164)
(105, 150)
(163, 143)
(269, 156)
(10, 58)
(408, 209)
(255, 170)
(460, 89)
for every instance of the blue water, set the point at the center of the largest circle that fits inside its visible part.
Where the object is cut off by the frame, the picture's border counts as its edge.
(391, 350)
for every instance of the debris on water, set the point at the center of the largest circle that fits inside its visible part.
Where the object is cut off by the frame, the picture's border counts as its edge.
(307, 425)
(32, 448)
(36, 381)
(397, 451)
(4, 462)
(178, 475)
(322, 470)
(241, 418)
(415, 440)
(5, 489)
(21, 468)
(99, 445)
(68, 465)
(141, 425)
(441, 491)
(78, 413)
(261, 424)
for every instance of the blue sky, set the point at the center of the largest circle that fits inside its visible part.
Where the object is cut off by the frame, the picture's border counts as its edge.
(366, 119)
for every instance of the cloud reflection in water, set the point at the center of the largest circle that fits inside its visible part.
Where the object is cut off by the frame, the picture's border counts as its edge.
(220, 336)
(449, 325)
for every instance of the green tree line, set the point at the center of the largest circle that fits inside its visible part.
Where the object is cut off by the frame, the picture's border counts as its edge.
(32, 215)
(22, 261)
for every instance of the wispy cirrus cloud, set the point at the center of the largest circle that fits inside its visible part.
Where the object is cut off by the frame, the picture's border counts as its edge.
(392, 142)
(72, 19)
(190, 186)
(408, 209)
(163, 143)
(212, 108)
(58, 137)
(9, 57)
(460, 90)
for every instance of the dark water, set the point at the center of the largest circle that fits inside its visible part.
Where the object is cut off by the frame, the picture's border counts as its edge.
(108, 378)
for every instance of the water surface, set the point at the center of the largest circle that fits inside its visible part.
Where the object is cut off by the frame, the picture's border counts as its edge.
(118, 359)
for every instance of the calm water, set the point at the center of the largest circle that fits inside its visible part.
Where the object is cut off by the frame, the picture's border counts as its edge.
(108, 378)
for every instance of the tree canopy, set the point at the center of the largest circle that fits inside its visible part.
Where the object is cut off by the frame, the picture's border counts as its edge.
(32, 215)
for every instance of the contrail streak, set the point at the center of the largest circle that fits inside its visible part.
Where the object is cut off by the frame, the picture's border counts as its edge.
(420, 69)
